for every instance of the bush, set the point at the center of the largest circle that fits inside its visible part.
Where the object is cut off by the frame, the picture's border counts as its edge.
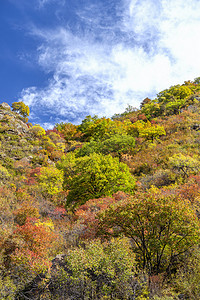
(50, 180)
(37, 130)
(99, 271)
(4, 174)
(187, 281)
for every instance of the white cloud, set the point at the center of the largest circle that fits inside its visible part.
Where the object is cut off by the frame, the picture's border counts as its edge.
(42, 3)
(146, 47)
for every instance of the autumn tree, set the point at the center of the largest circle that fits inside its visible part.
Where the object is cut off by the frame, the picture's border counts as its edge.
(68, 130)
(187, 277)
(169, 101)
(35, 242)
(25, 252)
(176, 92)
(161, 226)
(144, 102)
(173, 99)
(22, 109)
(146, 130)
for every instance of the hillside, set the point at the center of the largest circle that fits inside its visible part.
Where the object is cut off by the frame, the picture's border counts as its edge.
(108, 209)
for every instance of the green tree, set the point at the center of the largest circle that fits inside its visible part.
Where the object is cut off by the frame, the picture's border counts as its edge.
(101, 128)
(173, 99)
(151, 109)
(175, 92)
(117, 144)
(96, 175)
(162, 228)
(197, 80)
(87, 123)
(21, 108)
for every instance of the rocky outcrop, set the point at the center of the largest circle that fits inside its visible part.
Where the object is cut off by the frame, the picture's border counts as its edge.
(5, 105)
(10, 121)
(16, 149)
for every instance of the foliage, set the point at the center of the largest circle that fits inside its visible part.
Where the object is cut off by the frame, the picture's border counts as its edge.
(21, 108)
(50, 180)
(89, 148)
(37, 130)
(147, 130)
(54, 133)
(37, 241)
(159, 179)
(86, 124)
(100, 271)
(169, 101)
(7, 288)
(25, 211)
(151, 109)
(4, 174)
(188, 276)
(60, 180)
(68, 130)
(175, 92)
(144, 102)
(184, 164)
(96, 128)
(161, 226)
(86, 214)
(117, 144)
(96, 175)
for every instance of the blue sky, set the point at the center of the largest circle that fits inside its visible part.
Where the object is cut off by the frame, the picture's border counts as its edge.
(70, 58)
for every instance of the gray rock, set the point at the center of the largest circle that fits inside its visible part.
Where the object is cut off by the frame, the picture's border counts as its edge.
(5, 105)
(14, 123)
(50, 162)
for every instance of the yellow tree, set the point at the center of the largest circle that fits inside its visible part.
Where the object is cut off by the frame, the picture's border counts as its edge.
(22, 109)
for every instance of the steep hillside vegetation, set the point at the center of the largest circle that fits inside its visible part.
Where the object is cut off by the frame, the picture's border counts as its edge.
(108, 209)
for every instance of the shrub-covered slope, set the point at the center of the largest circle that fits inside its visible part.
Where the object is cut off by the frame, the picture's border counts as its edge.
(108, 209)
